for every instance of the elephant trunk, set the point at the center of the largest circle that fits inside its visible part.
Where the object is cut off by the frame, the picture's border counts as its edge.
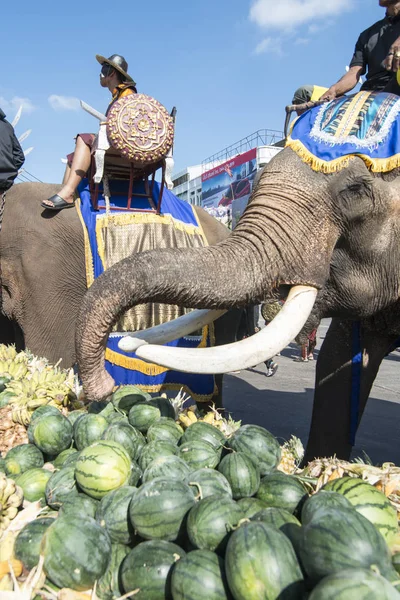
(216, 277)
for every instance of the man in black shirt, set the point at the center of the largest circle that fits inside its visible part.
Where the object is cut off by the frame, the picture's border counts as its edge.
(11, 154)
(377, 53)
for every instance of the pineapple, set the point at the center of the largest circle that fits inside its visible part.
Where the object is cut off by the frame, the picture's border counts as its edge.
(292, 455)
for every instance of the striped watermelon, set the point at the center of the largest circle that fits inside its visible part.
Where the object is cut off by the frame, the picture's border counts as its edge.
(61, 485)
(147, 568)
(127, 396)
(70, 563)
(207, 482)
(109, 585)
(251, 506)
(136, 474)
(260, 563)
(44, 410)
(33, 483)
(242, 473)
(75, 414)
(102, 467)
(164, 405)
(322, 499)
(143, 415)
(354, 584)
(278, 517)
(116, 417)
(71, 459)
(154, 450)
(166, 467)
(78, 505)
(27, 542)
(22, 458)
(62, 457)
(126, 435)
(259, 445)
(200, 430)
(199, 575)
(282, 491)
(211, 521)
(369, 502)
(158, 509)
(52, 434)
(88, 429)
(199, 454)
(340, 538)
(166, 430)
(112, 513)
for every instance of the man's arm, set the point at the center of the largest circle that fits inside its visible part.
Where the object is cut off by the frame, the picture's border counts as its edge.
(345, 84)
(392, 61)
(18, 153)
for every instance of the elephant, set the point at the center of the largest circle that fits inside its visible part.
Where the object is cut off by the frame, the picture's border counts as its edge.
(43, 279)
(330, 237)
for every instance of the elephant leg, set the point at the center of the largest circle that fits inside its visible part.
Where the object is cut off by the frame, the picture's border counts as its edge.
(331, 419)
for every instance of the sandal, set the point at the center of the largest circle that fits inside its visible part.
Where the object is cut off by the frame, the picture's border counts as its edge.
(58, 203)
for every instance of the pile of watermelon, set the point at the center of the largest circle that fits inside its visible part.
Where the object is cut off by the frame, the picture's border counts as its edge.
(134, 503)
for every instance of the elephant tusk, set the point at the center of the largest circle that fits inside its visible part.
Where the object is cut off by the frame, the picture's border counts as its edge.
(167, 332)
(246, 353)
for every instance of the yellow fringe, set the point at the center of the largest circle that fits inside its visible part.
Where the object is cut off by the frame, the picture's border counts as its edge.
(376, 165)
(136, 364)
(88, 252)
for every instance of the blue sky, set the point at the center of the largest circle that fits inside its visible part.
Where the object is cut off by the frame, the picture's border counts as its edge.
(229, 66)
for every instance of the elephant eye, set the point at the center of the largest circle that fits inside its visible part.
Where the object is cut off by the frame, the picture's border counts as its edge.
(356, 188)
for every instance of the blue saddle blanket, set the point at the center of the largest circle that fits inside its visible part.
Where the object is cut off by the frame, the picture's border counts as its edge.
(175, 215)
(366, 125)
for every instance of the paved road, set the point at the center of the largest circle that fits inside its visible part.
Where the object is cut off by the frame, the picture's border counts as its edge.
(283, 403)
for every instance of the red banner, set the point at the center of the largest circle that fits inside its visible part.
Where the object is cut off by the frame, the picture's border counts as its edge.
(227, 166)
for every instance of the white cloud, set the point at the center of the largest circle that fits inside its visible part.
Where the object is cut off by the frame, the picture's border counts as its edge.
(63, 102)
(11, 106)
(269, 46)
(302, 41)
(289, 14)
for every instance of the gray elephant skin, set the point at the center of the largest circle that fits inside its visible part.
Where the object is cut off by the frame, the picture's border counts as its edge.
(336, 232)
(43, 277)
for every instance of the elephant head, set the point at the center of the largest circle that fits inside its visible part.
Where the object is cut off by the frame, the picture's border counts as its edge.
(304, 233)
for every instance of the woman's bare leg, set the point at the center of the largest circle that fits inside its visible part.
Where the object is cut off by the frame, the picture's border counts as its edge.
(66, 174)
(79, 167)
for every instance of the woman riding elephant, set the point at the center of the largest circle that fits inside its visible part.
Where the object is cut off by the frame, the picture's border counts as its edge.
(348, 210)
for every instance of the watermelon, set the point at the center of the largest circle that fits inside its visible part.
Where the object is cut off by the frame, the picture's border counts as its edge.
(27, 543)
(78, 505)
(322, 499)
(242, 473)
(341, 538)
(143, 415)
(154, 450)
(250, 506)
(112, 513)
(211, 521)
(199, 575)
(354, 584)
(200, 430)
(88, 429)
(74, 415)
(136, 474)
(369, 502)
(60, 486)
(282, 491)
(2, 465)
(199, 454)
(109, 585)
(147, 568)
(166, 430)
(260, 563)
(62, 457)
(127, 396)
(158, 509)
(126, 435)
(33, 483)
(68, 562)
(52, 433)
(44, 410)
(164, 405)
(4, 380)
(259, 445)
(207, 482)
(102, 467)
(278, 517)
(71, 459)
(22, 458)
(96, 407)
(117, 417)
(5, 398)
(166, 467)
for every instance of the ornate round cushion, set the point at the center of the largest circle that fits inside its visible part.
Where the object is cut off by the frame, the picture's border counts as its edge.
(140, 128)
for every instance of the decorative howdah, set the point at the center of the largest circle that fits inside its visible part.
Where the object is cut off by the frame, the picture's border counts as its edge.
(140, 128)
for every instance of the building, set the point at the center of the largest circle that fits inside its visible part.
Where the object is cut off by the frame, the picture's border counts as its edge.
(227, 176)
